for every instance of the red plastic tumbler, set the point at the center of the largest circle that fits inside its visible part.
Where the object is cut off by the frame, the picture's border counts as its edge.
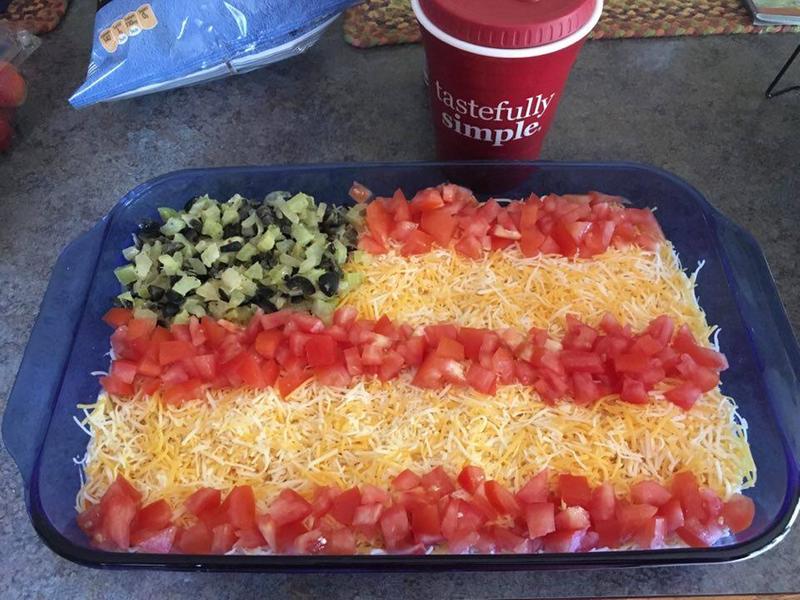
(496, 70)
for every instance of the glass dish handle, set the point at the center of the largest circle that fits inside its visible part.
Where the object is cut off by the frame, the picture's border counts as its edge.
(768, 326)
(29, 405)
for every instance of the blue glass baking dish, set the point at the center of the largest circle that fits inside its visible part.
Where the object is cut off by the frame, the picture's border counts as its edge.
(735, 288)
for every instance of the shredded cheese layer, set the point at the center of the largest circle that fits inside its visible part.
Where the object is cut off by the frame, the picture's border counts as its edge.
(371, 432)
(505, 289)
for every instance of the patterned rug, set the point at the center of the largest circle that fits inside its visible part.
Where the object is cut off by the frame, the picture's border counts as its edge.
(36, 16)
(382, 22)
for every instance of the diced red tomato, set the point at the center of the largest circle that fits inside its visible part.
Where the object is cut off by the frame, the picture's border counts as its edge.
(359, 193)
(573, 518)
(631, 517)
(470, 478)
(586, 362)
(340, 541)
(223, 538)
(398, 206)
(321, 350)
(706, 357)
(649, 492)
(195, 539)
(503, 365)
(155, 516)
(633, 391)
(371, 494)
(177, 393)
(289, 507)
(672, 513)
(449, 348)
(574, 490)
(439, 224)
(344, 506)
(536, 490)
(248, 538)
(117, 317)
(170, 352)
(651, 534)
(406, 480)
(603, 504)
(632, 363)
(241, 507)
(698, 535)
(124, 370)
(289, 382)
(269, 371)
(437, 482)
(482, 380)
(202, 500)
(738, 513)
(684, 395)
(712, 504)
(279, 539)
(469, 246)
(157, 542)
(540, 518)
(369, 244)
(249, 370)
(352, 359)
(417, 242)
(140, 327)
(148, 385)
(508, 541)
(435, 333)
(426, 200)
(310, 542)
(334, 376)
(610, 533)
(267, 342)
(205, 366)
(117, 510)
(501, 499)
(391, 366)
(394, 526)
(345, 316)
(322, 502)
(116, 386)
(687, 490)
(563, 541)
(426, 524)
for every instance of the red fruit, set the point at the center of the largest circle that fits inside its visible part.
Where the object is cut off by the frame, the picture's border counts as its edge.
(12, 86)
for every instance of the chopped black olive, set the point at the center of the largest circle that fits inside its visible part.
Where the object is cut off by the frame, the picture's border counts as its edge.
(156, 293)
(301, 284)
(231, 247)
(171, 247)
(191, 235)
(266, 305)
(173, 297)
(265, 213)
(231, 230)
(329, 283)
(149, 229)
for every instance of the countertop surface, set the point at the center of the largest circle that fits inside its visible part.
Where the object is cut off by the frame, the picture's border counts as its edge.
(694, 106)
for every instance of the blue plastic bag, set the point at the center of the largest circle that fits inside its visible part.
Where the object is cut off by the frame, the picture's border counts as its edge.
(144, 46)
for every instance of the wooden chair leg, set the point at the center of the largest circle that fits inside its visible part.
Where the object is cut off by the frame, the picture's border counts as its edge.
(770, 93)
